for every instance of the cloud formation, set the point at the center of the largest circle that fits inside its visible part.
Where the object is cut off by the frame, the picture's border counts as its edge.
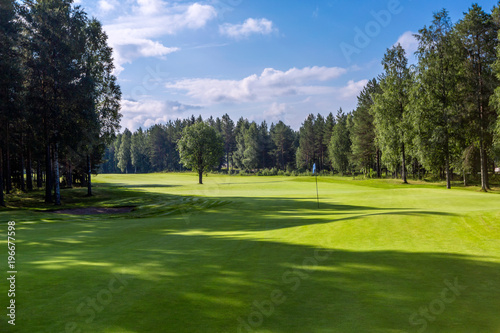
(352, 89)
(250, 26)
(107, 5)
(276, 110)
(134, 35)
(270, 84)
(408, 42)
(148, 113)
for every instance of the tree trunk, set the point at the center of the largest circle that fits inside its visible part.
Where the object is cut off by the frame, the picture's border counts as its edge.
(403, 166)
(448, 172)
(379, 170)
(484, 169)
(39, 176)
(465, 179)
(8, 178)
(48, 175)
(69, 175)
(89, 177)
(29, 167)
(200, 176)
(22, 184)
(2, 200)
(57, 184)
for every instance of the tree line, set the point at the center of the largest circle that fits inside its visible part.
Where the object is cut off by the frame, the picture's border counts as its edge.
(59, 101)
(59, 111)
(438, 117)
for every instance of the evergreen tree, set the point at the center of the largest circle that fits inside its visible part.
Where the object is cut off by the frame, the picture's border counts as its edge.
(391, 108)
(327, 136)
(124, 155)
(437, 99)
(306, 154)
(227, 128)
(282, 138)
(364, 149)
(10, 82)
(340, 144)
(479, 37)
(251, 154)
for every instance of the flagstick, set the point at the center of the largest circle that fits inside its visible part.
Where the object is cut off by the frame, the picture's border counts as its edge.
(317, 193)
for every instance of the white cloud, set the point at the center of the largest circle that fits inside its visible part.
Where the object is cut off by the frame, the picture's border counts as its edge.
(150, 112)
(134, 35)
(148, 7)
(408, 42)
(276, 110)
(250, 26)
(107, 5)
(270, 84)
(352, 89)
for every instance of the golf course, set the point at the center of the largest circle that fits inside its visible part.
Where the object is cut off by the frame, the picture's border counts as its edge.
(256, 254)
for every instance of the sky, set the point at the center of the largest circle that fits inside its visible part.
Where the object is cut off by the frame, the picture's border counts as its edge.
(266, 60)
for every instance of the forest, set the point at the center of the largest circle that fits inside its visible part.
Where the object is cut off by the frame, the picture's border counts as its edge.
(60, 111)
(59, 99)
(438, 118)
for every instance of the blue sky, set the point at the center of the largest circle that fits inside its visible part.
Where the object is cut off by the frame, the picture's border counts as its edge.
(263, 60)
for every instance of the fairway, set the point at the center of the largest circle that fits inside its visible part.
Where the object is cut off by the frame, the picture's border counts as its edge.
(255, 254)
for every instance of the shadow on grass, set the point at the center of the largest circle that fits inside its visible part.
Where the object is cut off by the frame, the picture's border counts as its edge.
(199, 283)
(181, 278)
(142, 185)
(220, 214)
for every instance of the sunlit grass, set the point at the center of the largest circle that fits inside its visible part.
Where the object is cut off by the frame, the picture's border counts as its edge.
(198, 258)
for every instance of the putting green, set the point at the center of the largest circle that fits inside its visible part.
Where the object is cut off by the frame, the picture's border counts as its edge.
(255, 254)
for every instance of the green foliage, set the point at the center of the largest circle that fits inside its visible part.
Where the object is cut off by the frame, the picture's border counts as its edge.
(282, 137)
(340, 145)
(124, 155)
(478, 34)
(437, 96)
(307, 151)
(391, 112)
(363, 130)
(200, 148)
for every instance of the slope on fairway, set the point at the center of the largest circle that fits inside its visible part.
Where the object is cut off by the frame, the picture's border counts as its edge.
(255, 254)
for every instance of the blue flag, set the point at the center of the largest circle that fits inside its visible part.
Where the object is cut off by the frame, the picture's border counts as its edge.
(314, 168)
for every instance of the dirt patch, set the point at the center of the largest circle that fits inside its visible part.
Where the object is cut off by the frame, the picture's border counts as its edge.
(94, 211)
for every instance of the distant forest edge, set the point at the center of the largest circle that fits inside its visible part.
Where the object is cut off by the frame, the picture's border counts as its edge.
(439, 117)
(59, 111)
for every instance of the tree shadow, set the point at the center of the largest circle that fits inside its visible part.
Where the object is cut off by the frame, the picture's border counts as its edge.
(200, 283)
(202, 264)
(143, 185)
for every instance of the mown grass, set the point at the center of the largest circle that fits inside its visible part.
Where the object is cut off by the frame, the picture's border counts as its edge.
(375, 257)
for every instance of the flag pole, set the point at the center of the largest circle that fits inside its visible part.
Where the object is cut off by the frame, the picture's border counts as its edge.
(317, 193)
(316, 174)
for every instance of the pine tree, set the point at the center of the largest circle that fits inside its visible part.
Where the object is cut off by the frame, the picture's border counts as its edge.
(340, 144)
(364, 149)
(478, 34)
(391, 108)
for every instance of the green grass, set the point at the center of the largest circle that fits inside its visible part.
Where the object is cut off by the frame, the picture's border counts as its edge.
(203, 258)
